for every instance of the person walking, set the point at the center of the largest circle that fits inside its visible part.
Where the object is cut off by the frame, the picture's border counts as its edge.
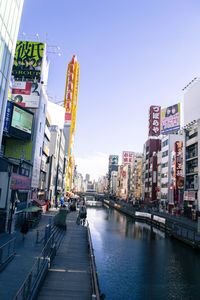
(24, 229)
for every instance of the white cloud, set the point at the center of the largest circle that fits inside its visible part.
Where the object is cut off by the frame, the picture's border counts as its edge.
(96, 165)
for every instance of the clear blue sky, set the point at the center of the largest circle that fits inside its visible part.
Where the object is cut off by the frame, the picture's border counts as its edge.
(132, 54)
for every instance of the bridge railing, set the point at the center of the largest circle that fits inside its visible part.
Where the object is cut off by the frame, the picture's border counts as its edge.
(7, 252)
(95, 283)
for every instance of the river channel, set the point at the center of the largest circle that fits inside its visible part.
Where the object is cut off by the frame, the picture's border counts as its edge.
(137, 261)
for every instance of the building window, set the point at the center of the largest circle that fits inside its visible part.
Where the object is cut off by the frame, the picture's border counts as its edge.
(165, 153)
(165, 143)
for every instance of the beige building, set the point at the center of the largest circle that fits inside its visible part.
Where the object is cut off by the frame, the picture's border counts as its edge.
(137, 182)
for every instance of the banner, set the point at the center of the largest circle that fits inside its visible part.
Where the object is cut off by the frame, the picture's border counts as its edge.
(28, 59)
(26, 94)
(154, 120)
(8, 115)
(170, 119)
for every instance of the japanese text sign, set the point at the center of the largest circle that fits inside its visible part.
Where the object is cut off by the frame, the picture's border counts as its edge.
(28, 59)
(154, 120)
(127, 157)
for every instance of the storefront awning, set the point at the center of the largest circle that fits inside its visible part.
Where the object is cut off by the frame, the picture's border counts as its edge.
(39, 202)
(31, 209)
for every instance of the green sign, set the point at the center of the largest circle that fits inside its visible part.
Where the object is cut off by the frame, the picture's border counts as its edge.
(28, 59)
(18, 149)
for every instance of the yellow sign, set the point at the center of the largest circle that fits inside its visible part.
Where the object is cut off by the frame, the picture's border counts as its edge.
(18, 149)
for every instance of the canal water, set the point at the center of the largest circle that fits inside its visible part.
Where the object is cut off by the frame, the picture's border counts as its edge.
(137, 261)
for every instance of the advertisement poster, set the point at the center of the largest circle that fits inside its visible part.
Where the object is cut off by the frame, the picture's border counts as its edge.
(28, 59)
(154, 120)
(127, 157)
(113, 159)
(170, 118)
(22, 120)
(179, 179)
(26, 94)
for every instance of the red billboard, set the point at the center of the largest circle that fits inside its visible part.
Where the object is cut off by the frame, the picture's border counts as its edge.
(154, 120)
(127, 157)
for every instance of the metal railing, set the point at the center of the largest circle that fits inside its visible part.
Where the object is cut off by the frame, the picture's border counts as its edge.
(29, 287)
(95, 284)
(7, 252)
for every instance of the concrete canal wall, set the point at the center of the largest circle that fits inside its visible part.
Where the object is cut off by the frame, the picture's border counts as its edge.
(179, 228)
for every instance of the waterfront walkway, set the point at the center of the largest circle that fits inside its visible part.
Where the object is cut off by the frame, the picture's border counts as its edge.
(14, 274)
(70, 275)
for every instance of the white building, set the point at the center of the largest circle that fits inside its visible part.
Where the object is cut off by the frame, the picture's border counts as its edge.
(167, 148)
(191, 102)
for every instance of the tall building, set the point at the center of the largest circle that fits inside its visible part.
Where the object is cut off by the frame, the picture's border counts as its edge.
(24, 132)
(191, 163)
(152, 147)
(167, 148)
(10, 16)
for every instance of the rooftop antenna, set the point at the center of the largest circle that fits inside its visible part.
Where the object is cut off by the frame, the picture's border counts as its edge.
(52, 49)
(24, 35)
(37, 37)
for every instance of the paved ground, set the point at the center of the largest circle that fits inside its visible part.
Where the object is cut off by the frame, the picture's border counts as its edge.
(69, 276)
(12, 277)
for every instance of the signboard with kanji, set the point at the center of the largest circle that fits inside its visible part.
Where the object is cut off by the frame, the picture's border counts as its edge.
(154, 120)
(127, 157)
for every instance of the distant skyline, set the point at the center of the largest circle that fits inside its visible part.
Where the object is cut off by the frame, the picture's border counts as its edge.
(132, 54)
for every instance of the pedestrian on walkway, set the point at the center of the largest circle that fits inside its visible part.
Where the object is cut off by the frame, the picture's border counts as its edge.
(24, 229)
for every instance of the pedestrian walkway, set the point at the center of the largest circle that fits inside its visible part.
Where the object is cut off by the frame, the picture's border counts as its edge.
(69, 277)
(12, 277)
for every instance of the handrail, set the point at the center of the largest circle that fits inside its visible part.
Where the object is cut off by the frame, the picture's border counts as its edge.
(30, 281)
(5, 256)
(95, 284)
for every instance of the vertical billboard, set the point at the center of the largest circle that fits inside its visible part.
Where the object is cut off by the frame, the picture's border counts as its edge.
(28, 59)
(26, 94)
(8, 116)
(170, 118)
(113, 160)
(154, 120)
(127, 157)
(179, 179)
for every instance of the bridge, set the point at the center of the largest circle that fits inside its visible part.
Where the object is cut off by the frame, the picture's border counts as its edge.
(97, 196)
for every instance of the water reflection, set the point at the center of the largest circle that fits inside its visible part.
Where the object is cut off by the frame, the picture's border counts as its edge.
(137, 261)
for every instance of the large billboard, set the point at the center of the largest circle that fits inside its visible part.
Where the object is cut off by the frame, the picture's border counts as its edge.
(127, 157)
(26, 94)
(113, 160)
(28, 59)
(170, 118)
(154, 120)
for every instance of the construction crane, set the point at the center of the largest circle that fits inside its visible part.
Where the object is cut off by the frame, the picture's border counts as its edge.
(70, 105)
